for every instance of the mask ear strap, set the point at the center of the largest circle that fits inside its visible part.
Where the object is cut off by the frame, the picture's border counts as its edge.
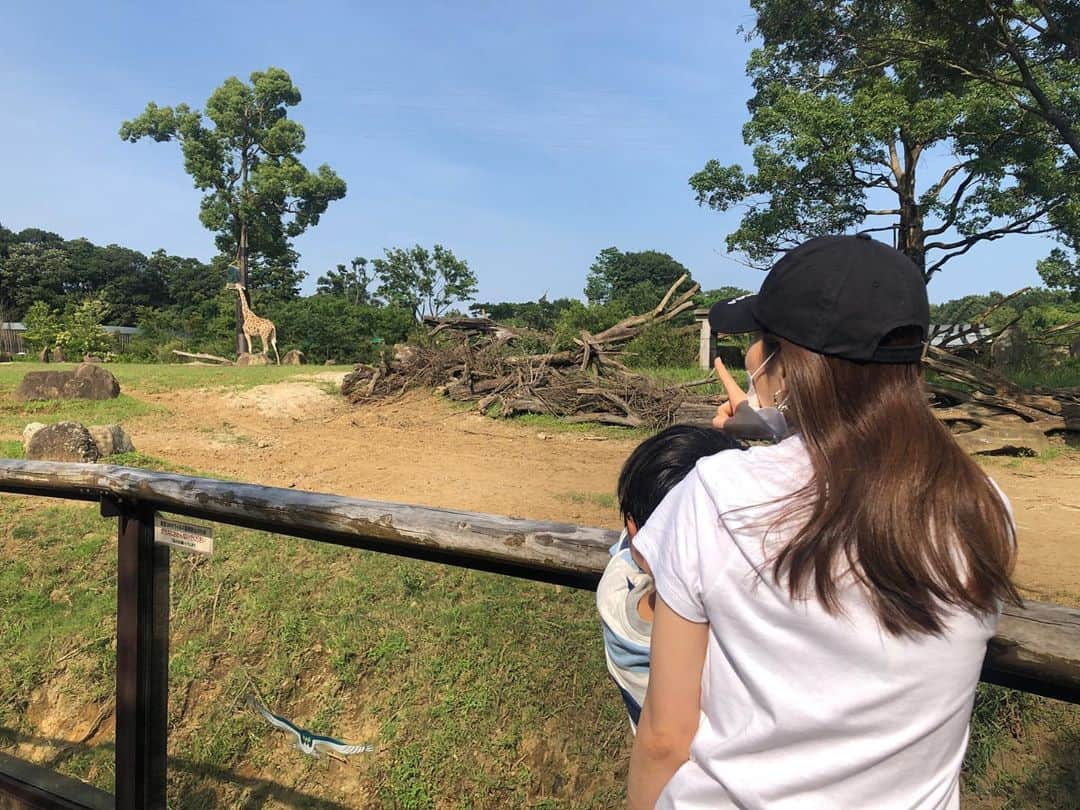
(764, 363)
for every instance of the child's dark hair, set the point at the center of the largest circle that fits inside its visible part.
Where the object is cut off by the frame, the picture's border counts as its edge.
(662, 461)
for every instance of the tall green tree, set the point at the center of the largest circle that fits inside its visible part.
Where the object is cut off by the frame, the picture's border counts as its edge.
(350, 282)
(636, 280)
(243, 151)
(1027, 51)
(426, 283)
(846, 135)
(35, 271)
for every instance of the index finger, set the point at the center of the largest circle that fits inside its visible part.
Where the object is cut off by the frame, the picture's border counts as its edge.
(734, 392)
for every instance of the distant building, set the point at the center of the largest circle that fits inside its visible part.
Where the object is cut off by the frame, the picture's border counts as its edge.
(960, 338)
(11, 336)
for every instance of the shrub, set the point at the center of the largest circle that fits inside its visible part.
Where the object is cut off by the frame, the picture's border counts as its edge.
(593, 319)
(330, 326)
(663, 345)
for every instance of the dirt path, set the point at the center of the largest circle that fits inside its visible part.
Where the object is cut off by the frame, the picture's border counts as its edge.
(420, 450)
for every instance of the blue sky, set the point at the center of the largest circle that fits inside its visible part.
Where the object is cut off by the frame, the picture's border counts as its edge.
(524, 136)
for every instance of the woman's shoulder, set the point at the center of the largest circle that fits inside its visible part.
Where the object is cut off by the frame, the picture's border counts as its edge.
(786, 459)
(754, 479)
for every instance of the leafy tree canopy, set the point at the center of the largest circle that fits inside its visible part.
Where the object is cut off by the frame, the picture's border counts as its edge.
(37, 265)
(540, 315)
(350, 283)
(424, 282)
(636, 280)
(243, 151)
(848, 134)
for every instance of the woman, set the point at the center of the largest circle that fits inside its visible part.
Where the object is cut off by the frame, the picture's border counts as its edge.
(825, 602)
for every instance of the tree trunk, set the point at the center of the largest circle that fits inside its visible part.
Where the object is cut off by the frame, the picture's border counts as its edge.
(242, 262)
(911, 238)
(242, 280)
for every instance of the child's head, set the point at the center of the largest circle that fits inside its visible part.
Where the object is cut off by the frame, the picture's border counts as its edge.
(658, 464)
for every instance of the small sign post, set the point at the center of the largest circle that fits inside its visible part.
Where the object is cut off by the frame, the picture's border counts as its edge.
(185, 536)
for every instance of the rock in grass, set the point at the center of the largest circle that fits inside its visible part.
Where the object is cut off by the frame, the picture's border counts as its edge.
(29, 431)
(64, 441)
(111, 439)
(246, 359)
(93, 382)
(293, 357)
(88, 381)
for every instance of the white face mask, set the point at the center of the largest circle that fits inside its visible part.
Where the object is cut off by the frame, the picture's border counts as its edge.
(751, 394)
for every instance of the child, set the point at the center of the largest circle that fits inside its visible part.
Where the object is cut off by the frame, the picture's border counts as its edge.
(625, 596)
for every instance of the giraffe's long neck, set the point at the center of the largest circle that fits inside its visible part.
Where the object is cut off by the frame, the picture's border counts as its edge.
(243, 303)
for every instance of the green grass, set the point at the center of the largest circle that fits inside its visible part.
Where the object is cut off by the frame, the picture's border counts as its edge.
(1065, 374)
(604, 500)
(476, 690)
(143, 378)
(156, 378)
(15, 415)
(1022, 751)
(552, 424)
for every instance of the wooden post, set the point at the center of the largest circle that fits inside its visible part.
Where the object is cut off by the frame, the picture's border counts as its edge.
(142, 657)
(706, 345)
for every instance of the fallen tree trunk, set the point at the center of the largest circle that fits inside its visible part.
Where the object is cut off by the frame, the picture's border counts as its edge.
(210, 358)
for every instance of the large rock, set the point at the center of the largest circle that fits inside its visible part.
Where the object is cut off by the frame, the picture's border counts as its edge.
(43, 385)
(88, 381)
(94, 382)
(64, 441)
(293, 357)
(29, 431)
(246, 359)
(111, 439)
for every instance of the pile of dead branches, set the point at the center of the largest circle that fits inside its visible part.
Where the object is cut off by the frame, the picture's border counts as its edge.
(990, 414)
(485, 363)
(987, 412)
(475, 360)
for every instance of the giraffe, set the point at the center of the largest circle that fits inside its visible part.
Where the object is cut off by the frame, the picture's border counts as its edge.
(254, 325)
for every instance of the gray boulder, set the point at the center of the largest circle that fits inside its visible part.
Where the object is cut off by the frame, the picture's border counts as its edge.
(29, 431)
(43, 385)
(88, 381)
(246, 359)
(64, 441)
(93, 382)
(110, 439)
(293, 357)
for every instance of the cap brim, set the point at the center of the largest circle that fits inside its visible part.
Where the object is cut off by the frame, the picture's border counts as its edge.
(734, 317)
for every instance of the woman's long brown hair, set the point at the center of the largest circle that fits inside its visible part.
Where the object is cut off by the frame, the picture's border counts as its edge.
(893, 499)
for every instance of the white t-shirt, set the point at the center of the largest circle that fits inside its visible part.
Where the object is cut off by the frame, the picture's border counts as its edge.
(801, 709)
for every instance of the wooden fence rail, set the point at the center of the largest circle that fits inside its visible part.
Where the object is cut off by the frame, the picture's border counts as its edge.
(1037, 647)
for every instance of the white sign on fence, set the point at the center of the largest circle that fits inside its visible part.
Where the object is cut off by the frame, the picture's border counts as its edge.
(188, 536)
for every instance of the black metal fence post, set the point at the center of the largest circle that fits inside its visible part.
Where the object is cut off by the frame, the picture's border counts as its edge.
(142, 658)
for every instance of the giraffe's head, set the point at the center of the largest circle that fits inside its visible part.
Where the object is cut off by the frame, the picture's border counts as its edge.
(232, 285)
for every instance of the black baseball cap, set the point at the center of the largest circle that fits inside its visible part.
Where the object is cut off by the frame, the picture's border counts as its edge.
(836, 295)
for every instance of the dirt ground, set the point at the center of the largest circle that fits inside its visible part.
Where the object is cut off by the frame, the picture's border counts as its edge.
(420, 450)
